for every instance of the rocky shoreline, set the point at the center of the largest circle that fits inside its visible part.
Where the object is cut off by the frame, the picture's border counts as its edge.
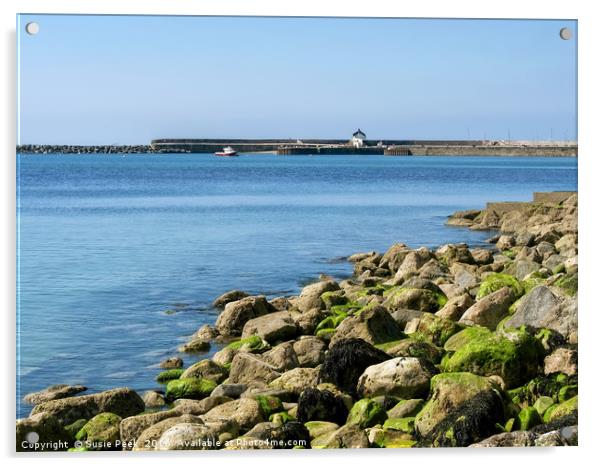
(453, 347)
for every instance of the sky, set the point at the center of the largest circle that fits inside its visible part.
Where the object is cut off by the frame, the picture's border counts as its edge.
(131, 79)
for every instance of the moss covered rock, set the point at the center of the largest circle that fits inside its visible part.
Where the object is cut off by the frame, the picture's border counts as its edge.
(319, 428)
(374, 325)
(252, 344)
(192, 388)
(101, 432)
(404, 424)
(497, 281)
(432, 329)
(567, 392)
(73, 428)
(333, 298)
(463, 408)
(168, 375)
(366, 413)
(514, 356)
(330, 322)
(326, 333)
(395, 439)
(568, 283)
(269, 404)
(541, 386)
(414, 298)
(281, 418)
(562, 409)
(542, 404)
(528, 418)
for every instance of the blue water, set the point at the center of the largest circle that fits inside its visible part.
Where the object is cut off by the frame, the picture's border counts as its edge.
(108, 244)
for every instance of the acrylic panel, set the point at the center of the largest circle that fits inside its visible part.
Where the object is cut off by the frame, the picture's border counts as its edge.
(279, 232)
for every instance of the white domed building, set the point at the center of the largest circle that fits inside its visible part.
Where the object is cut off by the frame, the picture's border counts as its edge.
(358, 138)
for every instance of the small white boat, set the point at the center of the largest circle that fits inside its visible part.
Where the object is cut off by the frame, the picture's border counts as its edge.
(227, 152)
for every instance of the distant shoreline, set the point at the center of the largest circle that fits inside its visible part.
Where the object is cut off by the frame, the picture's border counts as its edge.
(326, 147)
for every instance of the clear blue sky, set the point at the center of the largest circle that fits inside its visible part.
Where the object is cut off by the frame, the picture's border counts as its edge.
(129, 79)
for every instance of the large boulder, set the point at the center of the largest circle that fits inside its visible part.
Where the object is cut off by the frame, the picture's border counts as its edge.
(54, 392)
(420, 299)
(101, 432)
(394, 257)
(148, 438)
(543, 308)
(455, 307)
(412, 263)
(171, 363)
(463, 408)
(189, 436)
(296, 380)
(131, 428)
(248, 368)
(309, 320)
(191, 388)
(246, 412)
(450, 254)
(123, 402)
(348, 436)
(513, 355)
(237, 313)
(402, 377)
(49, 432)
(563, 360)
(206, 369)
(310, 297)
(373, 324)
(432, 329)
(282, 357)
(519, 438)
(228, 297)
(489, 310)
(277, 326)
(153, 399)
(310, 351)
(497, 281)
(366, 413)
(346, 361)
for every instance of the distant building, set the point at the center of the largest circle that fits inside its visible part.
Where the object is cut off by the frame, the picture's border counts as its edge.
(358, 138)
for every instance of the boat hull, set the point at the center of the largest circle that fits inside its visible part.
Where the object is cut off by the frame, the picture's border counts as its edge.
(226, 154)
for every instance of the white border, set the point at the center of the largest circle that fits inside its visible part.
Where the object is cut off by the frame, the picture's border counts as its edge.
(589, 192)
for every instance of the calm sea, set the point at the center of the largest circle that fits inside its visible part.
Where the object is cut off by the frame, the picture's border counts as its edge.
(120, 256)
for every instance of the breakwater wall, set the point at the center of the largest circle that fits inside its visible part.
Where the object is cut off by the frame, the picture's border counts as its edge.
(101, 149)
(492, 150)
(321, 146)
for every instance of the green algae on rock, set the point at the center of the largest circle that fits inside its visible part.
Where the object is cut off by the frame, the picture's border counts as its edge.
(497, 281)
(170, 374)
(193, 388)
(463, 408)
(366, 413)
(404, 424)
(101, 432)
(513, 356)
(252, 344)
